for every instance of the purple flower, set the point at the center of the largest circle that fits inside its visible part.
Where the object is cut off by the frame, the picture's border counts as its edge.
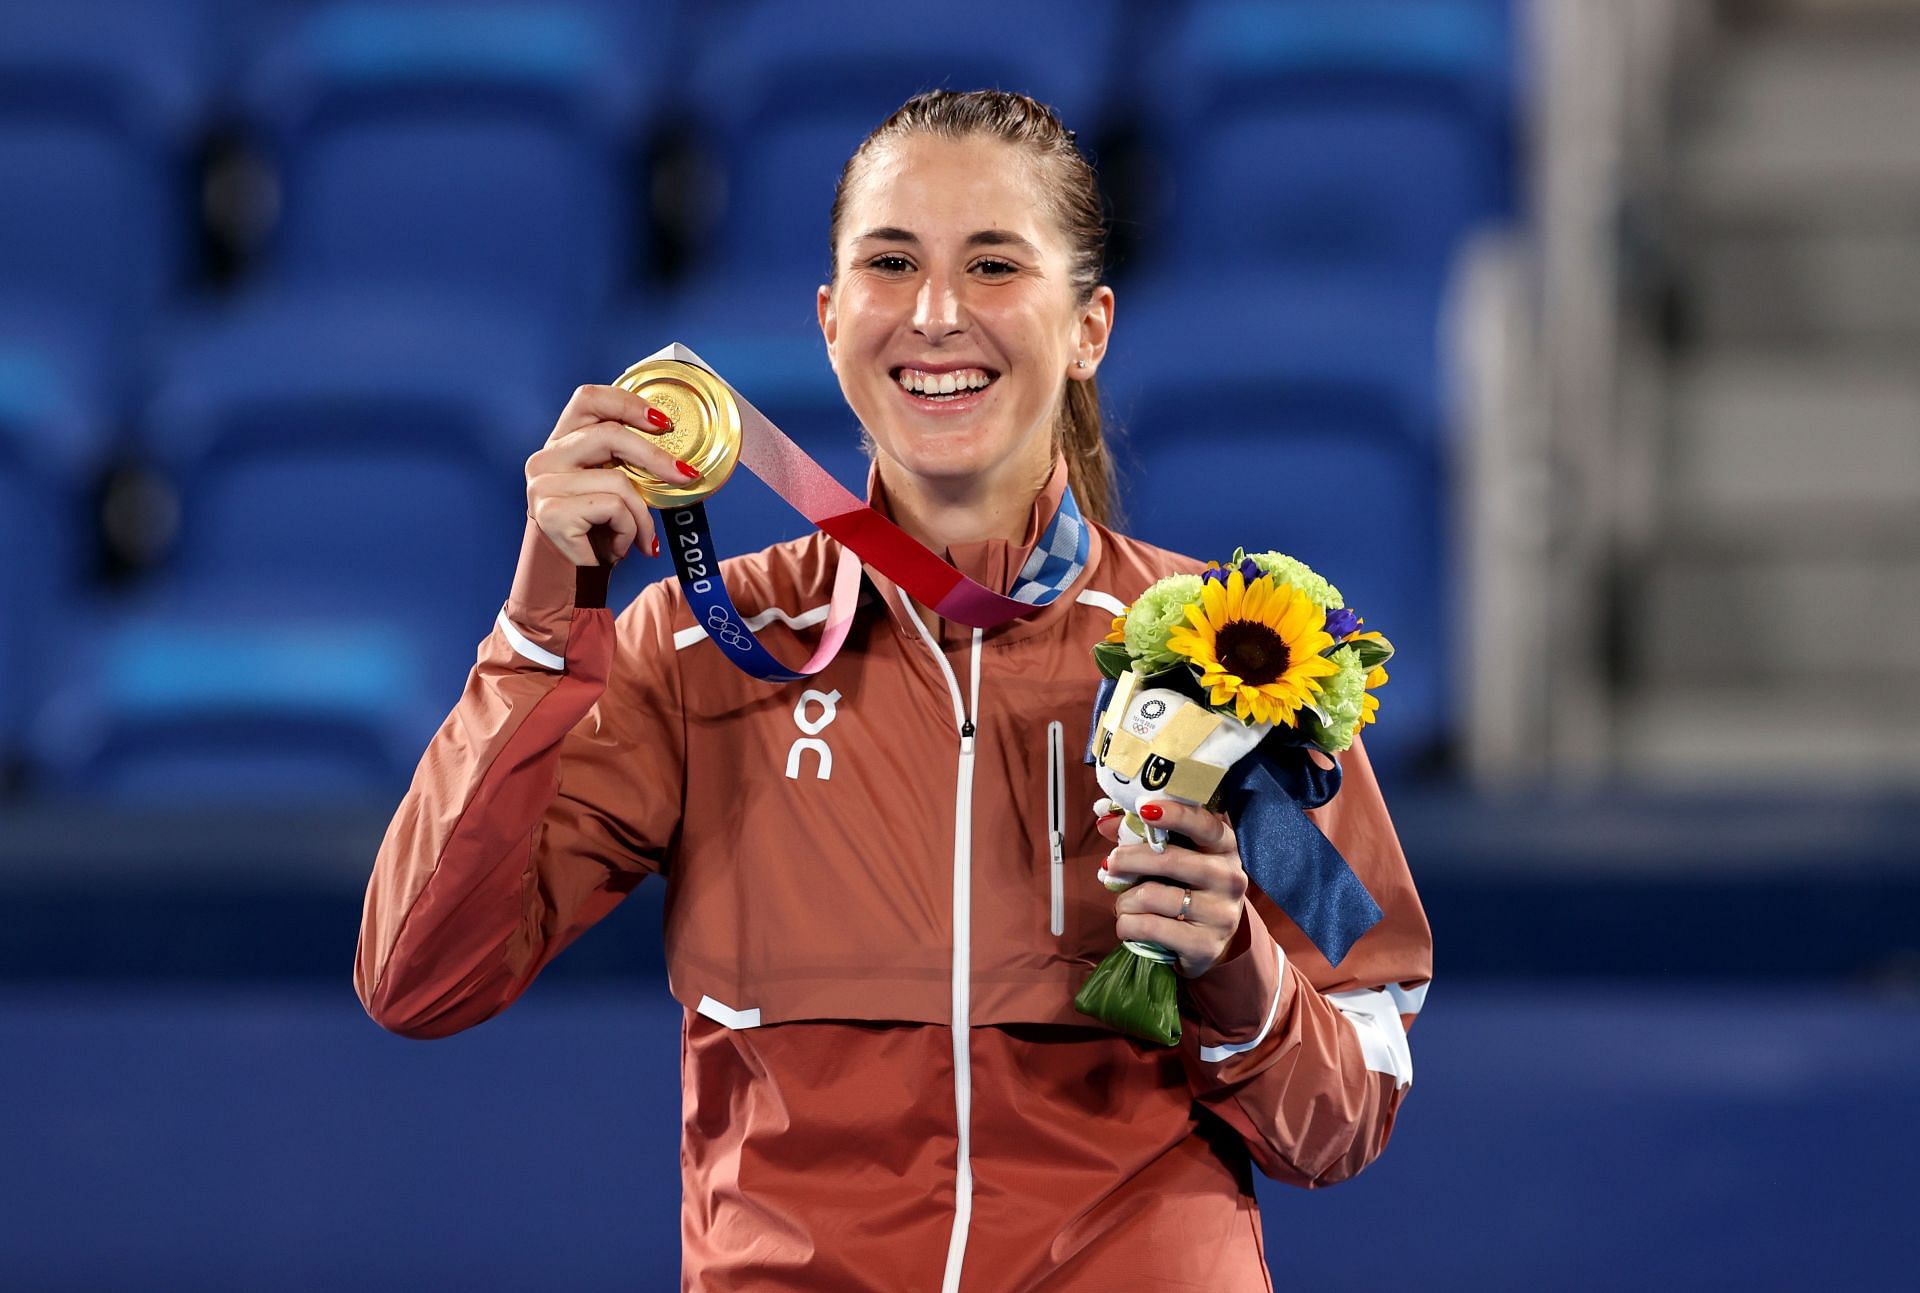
(1249, 571)
(1341, 622)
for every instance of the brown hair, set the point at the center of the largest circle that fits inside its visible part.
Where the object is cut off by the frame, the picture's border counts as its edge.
(1072, 196)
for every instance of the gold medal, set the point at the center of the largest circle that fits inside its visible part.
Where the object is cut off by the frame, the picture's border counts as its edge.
(705, 434)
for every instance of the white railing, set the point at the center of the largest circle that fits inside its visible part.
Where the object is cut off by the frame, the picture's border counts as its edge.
(1557, 405)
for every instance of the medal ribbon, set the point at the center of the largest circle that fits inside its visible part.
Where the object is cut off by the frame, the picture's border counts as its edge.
(865, 535)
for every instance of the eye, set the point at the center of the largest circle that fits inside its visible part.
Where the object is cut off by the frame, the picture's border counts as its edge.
(999, 268)
(891, 262)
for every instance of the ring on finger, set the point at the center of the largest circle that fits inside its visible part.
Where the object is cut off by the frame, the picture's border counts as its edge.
(1186, 904)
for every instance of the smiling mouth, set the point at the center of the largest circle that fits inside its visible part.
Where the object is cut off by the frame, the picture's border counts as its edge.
(943, 388)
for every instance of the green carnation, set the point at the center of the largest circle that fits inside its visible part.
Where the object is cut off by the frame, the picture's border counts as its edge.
(1156, 613)
(1286, 570)
(1339, 699)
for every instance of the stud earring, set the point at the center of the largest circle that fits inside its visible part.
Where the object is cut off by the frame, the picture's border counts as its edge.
(1079, 363)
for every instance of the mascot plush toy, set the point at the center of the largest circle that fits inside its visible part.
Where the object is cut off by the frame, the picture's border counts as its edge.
(1170, 747)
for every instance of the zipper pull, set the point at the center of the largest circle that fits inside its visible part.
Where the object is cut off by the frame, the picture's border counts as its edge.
(966, 735)
(1057, 910)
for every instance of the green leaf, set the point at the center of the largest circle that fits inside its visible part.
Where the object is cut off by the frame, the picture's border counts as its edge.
(1162, 677)
(1112, 658)
(1372, 654)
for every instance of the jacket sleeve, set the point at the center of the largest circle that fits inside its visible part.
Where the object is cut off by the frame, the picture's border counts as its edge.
(1309, 1061)
(552, 789)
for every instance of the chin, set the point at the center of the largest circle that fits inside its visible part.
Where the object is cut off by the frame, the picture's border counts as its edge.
(939, 455)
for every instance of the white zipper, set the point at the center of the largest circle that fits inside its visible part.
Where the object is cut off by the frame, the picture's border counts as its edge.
(1057, 824)
(963, 716)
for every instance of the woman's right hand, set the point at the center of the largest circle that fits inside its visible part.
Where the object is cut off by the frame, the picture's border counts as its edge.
(576, 494)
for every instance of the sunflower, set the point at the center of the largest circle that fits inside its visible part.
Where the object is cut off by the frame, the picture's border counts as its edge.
(1257, 645)
(1370, 703)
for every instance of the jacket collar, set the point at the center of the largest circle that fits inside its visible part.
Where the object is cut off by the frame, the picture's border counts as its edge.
(993, 562)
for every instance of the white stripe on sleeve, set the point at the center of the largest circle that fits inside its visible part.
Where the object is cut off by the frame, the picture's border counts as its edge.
(1410, 1000)
(721, 1013)
(1214, 1054)
(1375, 1016)
(526, 646)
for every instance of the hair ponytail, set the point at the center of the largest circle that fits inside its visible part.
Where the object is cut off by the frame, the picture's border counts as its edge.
(1084, 443)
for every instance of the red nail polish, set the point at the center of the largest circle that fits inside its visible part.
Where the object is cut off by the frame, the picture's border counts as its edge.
(1150, 812)
(656, 545)
(685, 470)
(658, 419)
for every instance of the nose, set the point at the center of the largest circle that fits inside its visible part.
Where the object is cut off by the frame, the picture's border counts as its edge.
(936, 308)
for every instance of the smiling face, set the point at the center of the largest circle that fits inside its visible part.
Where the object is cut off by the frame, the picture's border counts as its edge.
(953, 323)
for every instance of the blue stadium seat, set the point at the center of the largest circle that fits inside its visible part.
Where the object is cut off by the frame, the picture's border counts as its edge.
(51, 443)
(100, 104)
(210, 702)
(364, 449)
(350, 479)
(1365, 132)
(477, 150)
(1301, 414)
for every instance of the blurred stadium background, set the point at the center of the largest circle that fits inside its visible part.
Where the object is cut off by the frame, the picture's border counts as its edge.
(1592, 323)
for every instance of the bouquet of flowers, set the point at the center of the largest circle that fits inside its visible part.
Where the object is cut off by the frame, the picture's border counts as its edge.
(1217, 685)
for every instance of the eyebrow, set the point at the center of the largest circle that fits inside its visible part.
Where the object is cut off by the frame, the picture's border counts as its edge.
(984, 238)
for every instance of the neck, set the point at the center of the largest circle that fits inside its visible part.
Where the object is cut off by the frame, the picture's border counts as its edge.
(941, 513)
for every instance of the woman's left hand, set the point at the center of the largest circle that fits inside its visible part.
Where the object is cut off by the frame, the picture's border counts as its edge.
(1211, 869)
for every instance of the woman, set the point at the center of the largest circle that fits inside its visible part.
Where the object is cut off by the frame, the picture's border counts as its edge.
(885, 1084)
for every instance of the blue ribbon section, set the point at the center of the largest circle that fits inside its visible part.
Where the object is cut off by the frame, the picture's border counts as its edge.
(1266, 796)
(690, 542)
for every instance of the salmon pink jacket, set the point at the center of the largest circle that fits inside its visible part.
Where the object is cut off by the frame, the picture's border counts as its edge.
(876, 917)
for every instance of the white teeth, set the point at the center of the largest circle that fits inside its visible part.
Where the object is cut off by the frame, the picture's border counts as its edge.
(932, 384)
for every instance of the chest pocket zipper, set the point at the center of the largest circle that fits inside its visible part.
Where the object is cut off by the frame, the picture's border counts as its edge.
(1057, 824)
